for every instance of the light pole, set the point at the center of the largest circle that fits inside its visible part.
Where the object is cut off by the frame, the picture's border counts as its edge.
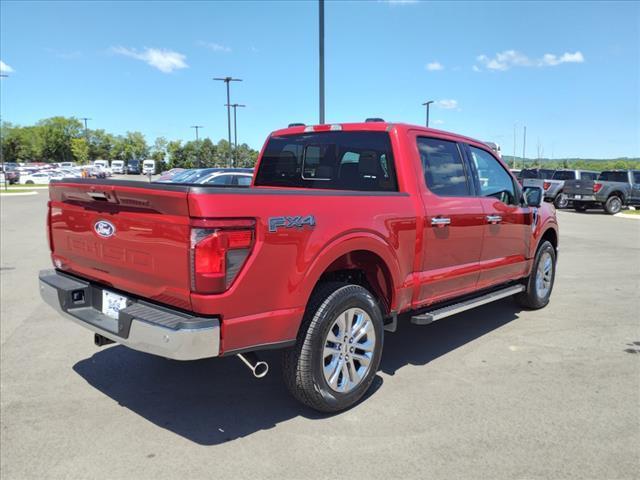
(228, 80)
(321, 57)
(426, 104)
(6, 182)
(524, 146)
(235, 125)
(86, 131)
(197, 127)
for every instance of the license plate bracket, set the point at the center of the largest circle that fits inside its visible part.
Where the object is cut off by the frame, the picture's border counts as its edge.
(112, 303)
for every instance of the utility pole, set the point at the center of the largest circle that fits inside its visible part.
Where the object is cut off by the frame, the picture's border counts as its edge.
(228, 80)
(198, 127)
(321, 57)
(426, 104)
(6, 182)
(524, 146)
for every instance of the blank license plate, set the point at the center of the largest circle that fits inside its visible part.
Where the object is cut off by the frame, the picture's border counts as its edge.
(112, 303)
(577, 197)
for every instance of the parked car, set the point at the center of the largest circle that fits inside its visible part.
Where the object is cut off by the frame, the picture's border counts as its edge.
(194, 174)
(118, 167)
(228, 178)
(334, 240)
(554, 187)
(11, 175)
(37, 178)
(149, 167)
(102, 166)
(613, 190)
(169, 174)
(133, 167)
(535, 176)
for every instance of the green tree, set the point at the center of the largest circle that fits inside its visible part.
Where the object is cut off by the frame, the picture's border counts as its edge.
(80, 150)
(159, 150)
(56, 134)
(100, 145)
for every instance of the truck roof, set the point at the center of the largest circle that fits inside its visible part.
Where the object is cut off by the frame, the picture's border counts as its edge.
(373, 127)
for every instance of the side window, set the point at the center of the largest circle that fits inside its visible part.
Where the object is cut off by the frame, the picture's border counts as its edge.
(494, 179)
(443, 167)
(588, 176)
(243, 180)
(636, 177)
(220, 180)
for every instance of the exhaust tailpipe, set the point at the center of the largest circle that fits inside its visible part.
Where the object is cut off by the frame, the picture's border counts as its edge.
(257, 366)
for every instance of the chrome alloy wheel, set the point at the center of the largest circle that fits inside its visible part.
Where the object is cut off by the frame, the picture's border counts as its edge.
(348, 350)
(544, 275)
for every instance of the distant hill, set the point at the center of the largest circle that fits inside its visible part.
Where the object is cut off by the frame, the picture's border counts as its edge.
(584, 163)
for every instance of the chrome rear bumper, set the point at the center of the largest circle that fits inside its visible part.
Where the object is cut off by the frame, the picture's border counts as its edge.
(141, 326)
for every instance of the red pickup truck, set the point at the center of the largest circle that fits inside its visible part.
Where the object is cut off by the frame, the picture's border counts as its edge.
(344, 227)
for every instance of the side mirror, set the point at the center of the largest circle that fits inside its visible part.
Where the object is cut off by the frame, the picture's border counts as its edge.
(532, 196)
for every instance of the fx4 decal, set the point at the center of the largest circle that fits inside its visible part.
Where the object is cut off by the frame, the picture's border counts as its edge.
(297, 221)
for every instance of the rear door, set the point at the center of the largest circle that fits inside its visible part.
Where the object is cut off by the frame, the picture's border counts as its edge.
(134, 236)
(454, 222)
(635, 187)
(507, 225)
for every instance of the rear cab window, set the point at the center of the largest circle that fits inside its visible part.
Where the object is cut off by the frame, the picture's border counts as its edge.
(614, 177)
(564, 175)
(337, 160)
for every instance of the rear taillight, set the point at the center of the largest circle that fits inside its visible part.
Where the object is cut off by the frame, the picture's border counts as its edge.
(217, 256)
(597, 187)
(546, 185)
(49, 232)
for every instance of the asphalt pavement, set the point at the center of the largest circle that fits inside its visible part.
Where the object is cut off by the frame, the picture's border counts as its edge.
(493, 393)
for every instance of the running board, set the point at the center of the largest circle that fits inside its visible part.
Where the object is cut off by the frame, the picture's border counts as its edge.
(432, 316)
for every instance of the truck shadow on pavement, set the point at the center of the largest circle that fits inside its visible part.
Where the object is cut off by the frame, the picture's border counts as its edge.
(214, 401)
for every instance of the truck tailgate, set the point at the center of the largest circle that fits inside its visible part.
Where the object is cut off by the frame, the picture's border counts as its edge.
(578, 187)
(131, 235)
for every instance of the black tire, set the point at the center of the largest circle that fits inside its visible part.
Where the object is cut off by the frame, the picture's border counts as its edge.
(561, 201)
(531, 298)
(580, 207)
(303, 363)
(29, 182)
(613, 205)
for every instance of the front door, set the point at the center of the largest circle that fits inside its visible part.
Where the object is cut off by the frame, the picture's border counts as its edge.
(453, 226)
(507, 224)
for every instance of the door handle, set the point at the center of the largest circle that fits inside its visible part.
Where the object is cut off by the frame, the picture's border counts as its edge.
(440, 221)
(493, 219)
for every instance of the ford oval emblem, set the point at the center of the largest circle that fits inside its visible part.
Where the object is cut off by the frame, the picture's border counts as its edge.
(104, 229)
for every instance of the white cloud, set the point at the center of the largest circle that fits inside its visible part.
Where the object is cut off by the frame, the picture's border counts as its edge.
(164, 60)
(434, 66)
(447, 104)
(475, 68)
(438, 122)
(215, 47)
(511, 58)
(4, 68)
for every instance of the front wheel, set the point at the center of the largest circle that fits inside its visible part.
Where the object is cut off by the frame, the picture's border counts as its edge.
(540, 283)
(338, 350)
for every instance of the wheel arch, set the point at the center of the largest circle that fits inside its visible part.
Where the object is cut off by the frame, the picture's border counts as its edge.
(363, 259)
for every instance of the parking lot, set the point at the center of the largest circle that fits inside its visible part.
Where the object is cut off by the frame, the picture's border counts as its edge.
(495, 392)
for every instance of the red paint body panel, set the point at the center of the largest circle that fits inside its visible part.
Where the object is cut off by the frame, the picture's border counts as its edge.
(149, 255)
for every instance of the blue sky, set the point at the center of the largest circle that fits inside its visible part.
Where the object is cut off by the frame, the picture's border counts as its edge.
(568, 71)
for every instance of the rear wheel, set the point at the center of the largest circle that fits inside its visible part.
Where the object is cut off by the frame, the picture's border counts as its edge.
(613, 205)
(29, 182)
(540, 283)
(338, 350)
(561, 201)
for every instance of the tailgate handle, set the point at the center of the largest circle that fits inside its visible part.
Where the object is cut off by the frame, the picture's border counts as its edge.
(99, 196)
